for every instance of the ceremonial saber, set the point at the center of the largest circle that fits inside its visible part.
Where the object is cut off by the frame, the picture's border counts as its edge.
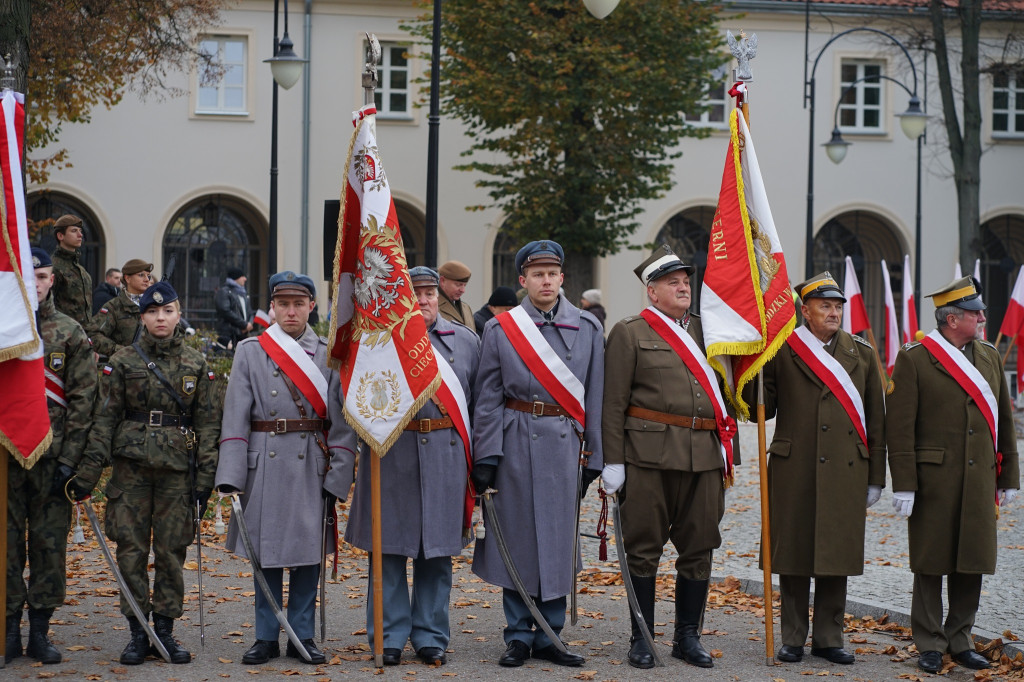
(323, 576)
(634, 603)
(573, 615)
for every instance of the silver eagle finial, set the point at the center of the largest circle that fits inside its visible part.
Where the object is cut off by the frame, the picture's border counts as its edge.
(744, 50)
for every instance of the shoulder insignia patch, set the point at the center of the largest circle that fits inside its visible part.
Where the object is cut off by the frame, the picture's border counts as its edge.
(107, 370)
(862, 340)
(56, 361)
(911, 344)
(890, 388)
(450, 332)
(188, 385)
(104, 311)
(987, 343)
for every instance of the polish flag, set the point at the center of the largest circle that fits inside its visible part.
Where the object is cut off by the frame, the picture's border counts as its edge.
(24, 419)
(977, 276)
(1013, 319)
(910, 327)
(855, 320)
(957, 272)
(262, 318)
(892, 333)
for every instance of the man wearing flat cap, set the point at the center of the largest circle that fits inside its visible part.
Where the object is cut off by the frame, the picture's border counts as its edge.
(453, 279)
(119, 322)
(827, 465)
(953, 459)
(527, 445)
(502, 299)
(664, 426)
(285, 444)
(234, 311)
(156, 422)
(72, 284)
(425, 479)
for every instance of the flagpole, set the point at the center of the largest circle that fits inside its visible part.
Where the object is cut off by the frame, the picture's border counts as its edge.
(4, 459)
(377, 559)
(878, 358)
(766, 533)
(1013, 340)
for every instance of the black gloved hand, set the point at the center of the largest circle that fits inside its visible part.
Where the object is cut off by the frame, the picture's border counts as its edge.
(203, 496)
(225, 489)
(483, 476)
(589, 476)
(329, 498)
(61, 476)
(80, 489)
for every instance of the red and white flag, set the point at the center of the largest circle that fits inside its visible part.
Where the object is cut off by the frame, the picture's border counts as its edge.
(746, 301)
(855, 317)
(910, 327)
(262, 318)
(957, 272)
(24, 418)
(892, 332)
(1013, 319)
(977, 276)
(378, 337)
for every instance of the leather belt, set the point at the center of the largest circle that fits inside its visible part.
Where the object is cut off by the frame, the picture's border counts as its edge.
(536, 408)
(695, 423)
(428, 425)
(157, 418)
(289, 425)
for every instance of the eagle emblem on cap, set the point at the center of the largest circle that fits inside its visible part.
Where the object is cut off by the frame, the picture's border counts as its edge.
(158, 297)
(36, 262)
(290, 276)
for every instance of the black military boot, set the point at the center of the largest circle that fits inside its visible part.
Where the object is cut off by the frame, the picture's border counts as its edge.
(39, 645)
(164, 628)
(138, 645)
(13, 649)
(640, 655)
(691, 597)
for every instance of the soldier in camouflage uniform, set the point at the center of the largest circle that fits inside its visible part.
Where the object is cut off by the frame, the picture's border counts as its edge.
(72, 285)
(36, 504)
(116, 324)
(140, 422)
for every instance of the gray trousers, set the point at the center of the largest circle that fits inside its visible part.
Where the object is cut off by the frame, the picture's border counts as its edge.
(829, 609)
(521, 625)
(424, 618)
(930, 633)
(302, 586)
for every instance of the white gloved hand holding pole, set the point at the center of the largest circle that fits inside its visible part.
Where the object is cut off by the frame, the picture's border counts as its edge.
(874, 494)
(1006, 496)
(613, 475)
(903, 502)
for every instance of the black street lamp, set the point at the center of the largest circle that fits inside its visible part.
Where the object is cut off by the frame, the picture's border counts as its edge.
(433, 131)
(286, 67)
(912, 121)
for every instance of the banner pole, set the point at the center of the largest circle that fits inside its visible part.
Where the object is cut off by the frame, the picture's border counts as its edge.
(878, 358)
(766, 533)
(377, 562)
(1009, 347)
(4, 460)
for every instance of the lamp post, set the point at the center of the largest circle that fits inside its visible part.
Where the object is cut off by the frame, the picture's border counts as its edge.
(286, 67)
(433, 131)
(913, 119)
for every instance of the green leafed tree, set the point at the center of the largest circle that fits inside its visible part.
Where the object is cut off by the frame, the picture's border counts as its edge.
(574, 121)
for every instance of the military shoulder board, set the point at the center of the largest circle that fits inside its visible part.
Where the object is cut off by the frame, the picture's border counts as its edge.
(861, 339)
(210, 375)
(911, 344)
(448, 332)
(987, 343)
(107, 370)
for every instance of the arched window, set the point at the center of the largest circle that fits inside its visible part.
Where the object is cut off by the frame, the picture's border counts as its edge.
(412, 225)
(503, 262)
(688, 234)
(1002, 250)
(204, 239)
(866, 238)
(45, 206)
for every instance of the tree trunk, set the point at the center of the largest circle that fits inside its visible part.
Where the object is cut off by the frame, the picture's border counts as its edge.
(15, 17)
(579, 275)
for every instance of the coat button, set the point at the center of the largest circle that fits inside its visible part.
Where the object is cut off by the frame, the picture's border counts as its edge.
(152, 434)
(302, 456)
(451, 359)
(276, 373)
(534, 436)
(695, 381)
(423, 440)
(272, 434)
(273, 412)
(699, 410)
(850, 432)
(971, 462)
(970, 432)
(561, 417)
(568, 356)
(563, 435)
(824, 427)
(274, 392)
(535, 398)
(533, 416)
(698, 395)
(821, 459)
(302, 435)
(451, 442)
(272, 454)
(851, 462)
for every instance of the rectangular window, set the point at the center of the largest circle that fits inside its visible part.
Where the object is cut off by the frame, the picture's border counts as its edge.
(1008, 103)
(860, 110)
(717, 101)
(222, 86)
(393, 97)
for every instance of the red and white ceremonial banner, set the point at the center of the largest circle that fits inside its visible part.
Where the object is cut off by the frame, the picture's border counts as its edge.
(262, 318)
(977, 276)
(909, 320)
(544, 363)
(855, 316)
(747, 306)
(892, 332)
(299, 367)
(809, 349)
(453, 398)
(24, 418)
(1013, 319)
(378, 337)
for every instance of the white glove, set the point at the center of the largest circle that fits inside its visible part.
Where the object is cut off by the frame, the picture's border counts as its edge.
(1006, 496)
(874, 494)
(903, 502)
(613, 475)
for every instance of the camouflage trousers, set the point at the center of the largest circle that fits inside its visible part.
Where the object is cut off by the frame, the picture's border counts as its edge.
(150, 507)
(37, 530)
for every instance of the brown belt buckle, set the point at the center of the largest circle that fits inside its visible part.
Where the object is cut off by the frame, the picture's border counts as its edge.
(538, 408)
(694, 422)
(156, 417)
(425, 426)
(280, 426)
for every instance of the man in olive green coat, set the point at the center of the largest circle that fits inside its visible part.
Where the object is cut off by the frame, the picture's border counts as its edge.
(827, 465)
(117, 323)
(72, 285)
(952, 456)
(663, 452)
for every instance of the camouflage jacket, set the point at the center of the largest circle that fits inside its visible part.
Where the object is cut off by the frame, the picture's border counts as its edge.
(68, 358)
(115, 325)
(72, 286)
(128, 385)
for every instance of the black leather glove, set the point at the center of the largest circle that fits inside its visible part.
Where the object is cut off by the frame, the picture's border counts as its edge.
(589, 476)
(61, 476)
(203, 496)
(483, 476)
(225, 489)
(80, 489)
(330, 499)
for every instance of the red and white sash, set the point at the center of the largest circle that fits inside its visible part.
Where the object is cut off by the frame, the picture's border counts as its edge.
(970, 379)
(453, 398)
(809, 349)
(54, 388)
(542, 360)
(299, 367)
(692, 356)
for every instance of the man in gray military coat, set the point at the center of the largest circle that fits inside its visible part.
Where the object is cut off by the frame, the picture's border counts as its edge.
(424, 485)
(526, 447)
(291, 452)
